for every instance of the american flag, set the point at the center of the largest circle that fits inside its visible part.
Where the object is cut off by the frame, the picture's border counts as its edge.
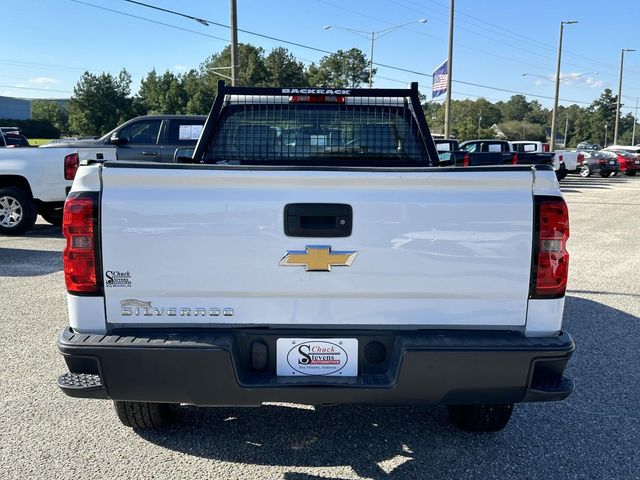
(440, 77)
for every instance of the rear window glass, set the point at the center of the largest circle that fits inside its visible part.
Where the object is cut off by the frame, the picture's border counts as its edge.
(494, 147)
(525, 147)
(282, 134)
(15, 140)
(185, 132)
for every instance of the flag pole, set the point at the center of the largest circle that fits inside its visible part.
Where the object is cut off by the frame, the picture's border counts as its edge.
(447, 105)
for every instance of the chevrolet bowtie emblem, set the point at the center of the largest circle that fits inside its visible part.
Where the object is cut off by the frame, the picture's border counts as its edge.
(317, 258)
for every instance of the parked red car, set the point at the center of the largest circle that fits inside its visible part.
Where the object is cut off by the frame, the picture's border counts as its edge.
(628, 159)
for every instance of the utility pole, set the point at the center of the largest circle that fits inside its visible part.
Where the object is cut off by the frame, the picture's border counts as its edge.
(566, 129)
(615, 130)
(234, 43)
(606, 132)
(447, 105)
(479, 122)
(635, 120)
(554, 115)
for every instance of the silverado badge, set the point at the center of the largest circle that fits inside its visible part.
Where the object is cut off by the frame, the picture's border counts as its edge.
(317, 258)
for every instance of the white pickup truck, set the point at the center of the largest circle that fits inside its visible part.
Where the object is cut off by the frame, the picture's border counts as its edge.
(313, 252)
(36, 181)
(565, 161)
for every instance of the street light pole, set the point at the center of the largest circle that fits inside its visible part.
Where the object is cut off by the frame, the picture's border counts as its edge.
(447, 104)
(479, 122)
(373, 39)
(554, 115)
(566, 129)
(615, 130)
(373, 36)
(606, 132)
(234, 43)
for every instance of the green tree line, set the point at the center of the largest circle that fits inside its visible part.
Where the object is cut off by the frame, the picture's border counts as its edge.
(102, 101)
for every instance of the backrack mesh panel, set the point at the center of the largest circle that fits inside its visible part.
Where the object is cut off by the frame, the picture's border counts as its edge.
(273, 130)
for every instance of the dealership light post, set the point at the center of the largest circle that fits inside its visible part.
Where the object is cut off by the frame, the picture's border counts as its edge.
(373, 36)
(554, 115)
(606, 132)
(447, 102)
(615, 130)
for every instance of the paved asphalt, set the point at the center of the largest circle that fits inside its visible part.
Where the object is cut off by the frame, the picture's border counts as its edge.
(594, 434)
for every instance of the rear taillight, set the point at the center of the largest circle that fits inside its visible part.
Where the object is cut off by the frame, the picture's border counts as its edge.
(550, 256)
(466, 160)
(602, 162)
(514, 159)
(545, 147)
(580, 158)
(79, 226)
(71, 163)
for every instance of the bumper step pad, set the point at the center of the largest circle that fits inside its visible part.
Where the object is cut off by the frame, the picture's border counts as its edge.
(84, 385)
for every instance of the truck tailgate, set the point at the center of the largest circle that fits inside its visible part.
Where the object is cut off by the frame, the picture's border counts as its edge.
(202, 246)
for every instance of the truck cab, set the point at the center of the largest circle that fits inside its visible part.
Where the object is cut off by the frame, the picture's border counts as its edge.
(148, 138)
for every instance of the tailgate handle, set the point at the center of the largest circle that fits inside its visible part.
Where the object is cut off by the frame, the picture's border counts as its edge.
(318, 220)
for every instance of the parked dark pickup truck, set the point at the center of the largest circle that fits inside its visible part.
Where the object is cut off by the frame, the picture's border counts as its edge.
(498, 152)
(152, 138)
(486, 152)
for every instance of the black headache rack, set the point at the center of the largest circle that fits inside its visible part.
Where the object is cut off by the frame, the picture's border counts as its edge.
(344, 127)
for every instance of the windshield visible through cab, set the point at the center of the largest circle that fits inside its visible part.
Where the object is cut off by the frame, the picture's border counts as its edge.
(294, 134)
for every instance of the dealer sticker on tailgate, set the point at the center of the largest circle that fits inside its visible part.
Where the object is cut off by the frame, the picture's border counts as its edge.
(326, 357)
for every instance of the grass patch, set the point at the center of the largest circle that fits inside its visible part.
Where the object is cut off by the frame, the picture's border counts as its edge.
(36, 142)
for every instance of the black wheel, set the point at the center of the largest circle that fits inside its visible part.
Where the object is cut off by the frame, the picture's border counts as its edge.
(52, 215)
(632, 173)
(17, 211)
(143, 415)
(480, 418)
(605, 174)
(585, 171)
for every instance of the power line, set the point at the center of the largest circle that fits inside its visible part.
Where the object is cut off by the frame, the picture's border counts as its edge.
(149, 20)
(21, 63)
(35, 88)
(301, 45)
(484, 23)
(503, 30)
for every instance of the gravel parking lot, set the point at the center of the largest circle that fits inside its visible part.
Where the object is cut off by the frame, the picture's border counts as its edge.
(594, 434)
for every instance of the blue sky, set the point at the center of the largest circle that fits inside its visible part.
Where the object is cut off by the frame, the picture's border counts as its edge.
(52, 42)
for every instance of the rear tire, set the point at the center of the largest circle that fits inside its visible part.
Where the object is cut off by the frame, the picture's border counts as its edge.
(53, 216)
(631, 173)
(17, 211)
(585, 171)
(144, 415)
(480, 418)
(605, 174)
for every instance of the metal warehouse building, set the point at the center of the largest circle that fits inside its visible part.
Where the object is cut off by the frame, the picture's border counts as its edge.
(15, 108)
